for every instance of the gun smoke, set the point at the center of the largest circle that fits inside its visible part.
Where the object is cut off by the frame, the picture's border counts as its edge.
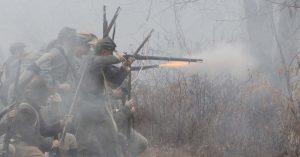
(230, 58)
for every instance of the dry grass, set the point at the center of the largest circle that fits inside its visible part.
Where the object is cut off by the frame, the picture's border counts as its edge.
(205, 116)
(166, 151)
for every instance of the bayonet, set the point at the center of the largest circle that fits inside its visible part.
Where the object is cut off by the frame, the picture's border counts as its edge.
(109, 27)
(104, 20)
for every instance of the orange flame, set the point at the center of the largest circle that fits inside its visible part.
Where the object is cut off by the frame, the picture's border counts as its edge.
(175, 64)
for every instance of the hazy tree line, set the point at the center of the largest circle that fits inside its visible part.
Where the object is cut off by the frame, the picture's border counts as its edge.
(222, 115)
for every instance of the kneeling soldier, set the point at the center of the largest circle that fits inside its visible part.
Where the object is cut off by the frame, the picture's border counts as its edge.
(133, 143)
(27, 127)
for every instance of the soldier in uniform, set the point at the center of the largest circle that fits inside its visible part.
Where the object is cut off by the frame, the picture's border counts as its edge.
(61, 100)
(57, 106)
(53, 65)
(11, 64)
(133, 143)
(97, 132)
(10, 68)
(28, 129)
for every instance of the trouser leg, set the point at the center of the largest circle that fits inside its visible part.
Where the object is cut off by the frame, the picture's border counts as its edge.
(28, 151)
(137, 143)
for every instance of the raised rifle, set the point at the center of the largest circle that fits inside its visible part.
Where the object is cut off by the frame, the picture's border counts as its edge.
(109, 27)
(9, 132)
(135, 54)
(104, 20)
(74, 101)
(55, 152)
(131, 119)
(1, 74)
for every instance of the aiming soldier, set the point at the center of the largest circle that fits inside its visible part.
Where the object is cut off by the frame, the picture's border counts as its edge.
(97, 132)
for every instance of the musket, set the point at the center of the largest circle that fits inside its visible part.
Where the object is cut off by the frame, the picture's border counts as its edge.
(17, 81)
(12, 105)
(104, 20)
(138, 68)
(109, 27)
(75, 98)
(8, 133)
(143, 57)
(134, 54)
(114, 32)
(1, 74)
(131, 119)
(74, 101)
(143, 43)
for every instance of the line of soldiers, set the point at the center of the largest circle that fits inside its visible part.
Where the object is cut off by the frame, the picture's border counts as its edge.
(59, 100)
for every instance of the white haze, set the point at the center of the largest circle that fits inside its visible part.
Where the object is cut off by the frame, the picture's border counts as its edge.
(232, 58)
(36, 22)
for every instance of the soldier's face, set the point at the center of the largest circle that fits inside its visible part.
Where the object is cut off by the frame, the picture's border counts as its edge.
(106, 52)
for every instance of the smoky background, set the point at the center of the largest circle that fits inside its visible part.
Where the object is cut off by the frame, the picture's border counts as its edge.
(236, 103)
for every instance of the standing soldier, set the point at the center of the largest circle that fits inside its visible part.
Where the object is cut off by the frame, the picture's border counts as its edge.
(58, 106)
(97, 132)
(60, 100)
(10, 68)
(53, 65)
(11, 64)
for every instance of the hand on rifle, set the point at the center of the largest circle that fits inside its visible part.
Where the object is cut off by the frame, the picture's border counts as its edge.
(64, 87)
(55, 98)
(120, 56)
(67, 120)
(55, 144)
(128, 61)
(131, 104)
(12, 114)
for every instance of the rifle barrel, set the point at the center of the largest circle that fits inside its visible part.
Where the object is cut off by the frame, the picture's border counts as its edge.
(104, 20)
(140, 57)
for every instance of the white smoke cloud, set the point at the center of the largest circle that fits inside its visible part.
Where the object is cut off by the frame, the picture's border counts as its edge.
(232, 58)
